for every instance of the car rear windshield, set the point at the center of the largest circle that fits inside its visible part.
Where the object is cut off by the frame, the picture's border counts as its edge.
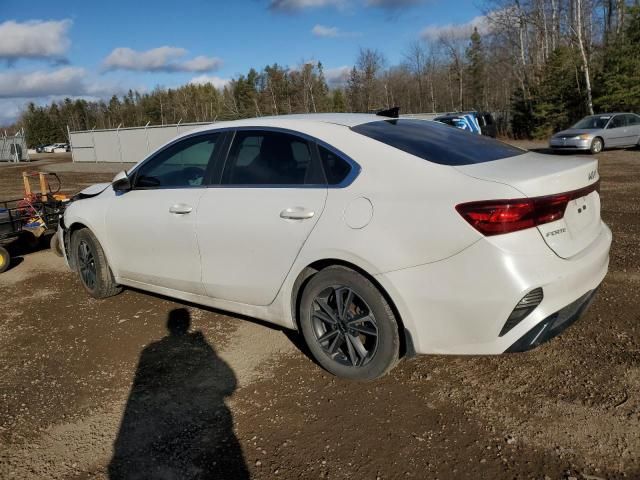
(436, 142)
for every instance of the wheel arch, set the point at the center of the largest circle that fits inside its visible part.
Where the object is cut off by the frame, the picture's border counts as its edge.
(68, 233)
(407, 348)
(74, 226)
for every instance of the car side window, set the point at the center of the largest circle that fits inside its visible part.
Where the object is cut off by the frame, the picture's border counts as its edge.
(617, 122)
(268, 158)
(336, 168)
(183, 164)
(632, 120)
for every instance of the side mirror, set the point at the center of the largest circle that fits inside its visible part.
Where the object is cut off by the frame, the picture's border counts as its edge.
(121, 182)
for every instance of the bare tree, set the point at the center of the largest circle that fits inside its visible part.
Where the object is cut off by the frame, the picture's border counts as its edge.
(579, 36)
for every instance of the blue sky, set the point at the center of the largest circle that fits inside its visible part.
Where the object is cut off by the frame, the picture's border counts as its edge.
(51, 49)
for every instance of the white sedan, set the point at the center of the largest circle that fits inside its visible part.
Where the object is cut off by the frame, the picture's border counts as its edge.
(376, 238)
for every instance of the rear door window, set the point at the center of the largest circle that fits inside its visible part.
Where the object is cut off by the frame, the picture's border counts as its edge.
(269, 158)
(618, 121)
(436, 142)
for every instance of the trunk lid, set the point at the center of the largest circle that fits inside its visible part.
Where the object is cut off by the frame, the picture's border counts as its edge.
(537, 175)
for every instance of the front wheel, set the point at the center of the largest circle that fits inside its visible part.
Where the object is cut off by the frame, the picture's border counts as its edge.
(92, 266)
(348, 325)
(596, 145)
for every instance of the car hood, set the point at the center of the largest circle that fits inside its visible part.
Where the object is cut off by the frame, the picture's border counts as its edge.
(572, 132)
(92, 191)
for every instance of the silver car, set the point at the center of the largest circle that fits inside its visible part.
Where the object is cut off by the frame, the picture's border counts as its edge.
(597, 132)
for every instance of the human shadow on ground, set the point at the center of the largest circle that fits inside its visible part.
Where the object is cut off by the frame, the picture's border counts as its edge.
(176, 423)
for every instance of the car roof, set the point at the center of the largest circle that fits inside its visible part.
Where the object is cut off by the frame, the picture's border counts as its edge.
(343, 119)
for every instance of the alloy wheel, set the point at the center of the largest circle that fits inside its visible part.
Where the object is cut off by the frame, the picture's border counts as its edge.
(87, 265)
(344, 326)
(597, 146)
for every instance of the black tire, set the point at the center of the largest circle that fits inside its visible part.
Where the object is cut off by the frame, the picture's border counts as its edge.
(91, 264)
(5, 259)
(366, 331)
(597, 145)
(54, 245)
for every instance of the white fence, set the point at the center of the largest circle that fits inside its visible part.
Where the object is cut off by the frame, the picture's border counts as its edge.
(123, 145)
(13, 148)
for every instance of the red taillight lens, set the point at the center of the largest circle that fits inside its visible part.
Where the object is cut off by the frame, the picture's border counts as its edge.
(494, 217)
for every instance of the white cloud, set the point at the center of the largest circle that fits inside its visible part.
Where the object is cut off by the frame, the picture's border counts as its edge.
(331, 32)
(34, 39)
(161, 59)
(202, 64)
(18, 88)
(337, 76)
(64, 81)
(290, 6)
(217, 82)
(322, 31)
(456, 30)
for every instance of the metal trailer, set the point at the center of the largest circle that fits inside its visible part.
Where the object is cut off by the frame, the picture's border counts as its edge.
(31, 218)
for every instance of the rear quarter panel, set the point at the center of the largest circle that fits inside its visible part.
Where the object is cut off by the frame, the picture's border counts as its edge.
(414, 220)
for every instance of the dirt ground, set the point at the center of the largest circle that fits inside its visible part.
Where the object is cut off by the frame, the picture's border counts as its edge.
(140, 386)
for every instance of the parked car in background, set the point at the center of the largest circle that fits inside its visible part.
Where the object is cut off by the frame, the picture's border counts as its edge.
(487, 124)
(40, 148)
(594, 133)
(374, 237)
(55, 147)
(61, 148)
(475, 122)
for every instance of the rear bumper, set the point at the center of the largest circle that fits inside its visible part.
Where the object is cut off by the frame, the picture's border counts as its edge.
(460, 305)
(553, 325)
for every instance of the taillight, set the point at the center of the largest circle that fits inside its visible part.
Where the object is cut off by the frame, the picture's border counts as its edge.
(494, 217)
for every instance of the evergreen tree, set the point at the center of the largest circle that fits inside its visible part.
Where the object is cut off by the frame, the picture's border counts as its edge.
(354, 91)
(560, 96)
(617, 87)
(476, 71)
(337, 101)
(522, 117)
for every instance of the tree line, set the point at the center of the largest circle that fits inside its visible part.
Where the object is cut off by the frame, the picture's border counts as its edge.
(537, 65)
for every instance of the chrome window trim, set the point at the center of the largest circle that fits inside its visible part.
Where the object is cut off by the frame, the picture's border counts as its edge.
(348, 180)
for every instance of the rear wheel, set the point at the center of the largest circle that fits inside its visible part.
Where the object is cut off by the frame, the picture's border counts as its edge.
(348, 325)
(92, 266)
(5, 259)
(596, 145)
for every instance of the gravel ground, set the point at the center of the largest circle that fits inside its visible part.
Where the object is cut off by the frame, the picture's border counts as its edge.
(140, 386)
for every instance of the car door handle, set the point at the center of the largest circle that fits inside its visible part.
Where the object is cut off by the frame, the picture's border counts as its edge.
(180, 209)
(296, 213)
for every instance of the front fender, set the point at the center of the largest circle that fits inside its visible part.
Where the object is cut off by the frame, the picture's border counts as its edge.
(85, 213)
